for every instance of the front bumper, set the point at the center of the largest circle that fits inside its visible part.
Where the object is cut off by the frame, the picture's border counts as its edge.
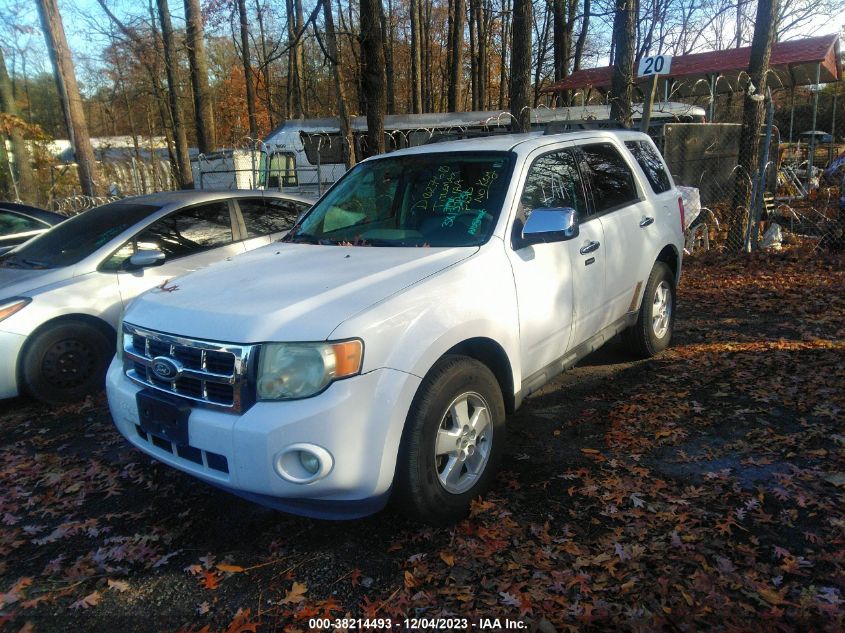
(359, 421)
(10, 348)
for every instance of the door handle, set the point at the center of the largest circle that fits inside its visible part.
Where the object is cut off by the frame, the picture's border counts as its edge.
(646, 221)
(590, 247)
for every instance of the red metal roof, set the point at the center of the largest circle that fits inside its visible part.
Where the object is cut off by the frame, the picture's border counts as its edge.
(794, 63)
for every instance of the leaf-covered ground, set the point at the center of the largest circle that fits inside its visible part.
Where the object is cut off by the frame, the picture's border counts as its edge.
(701, 490)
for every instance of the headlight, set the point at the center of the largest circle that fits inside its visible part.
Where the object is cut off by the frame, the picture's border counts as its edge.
(10, 306)
(288, 371)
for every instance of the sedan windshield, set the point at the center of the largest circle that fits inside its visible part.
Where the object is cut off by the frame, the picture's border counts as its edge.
(71, 241)
(443, 199)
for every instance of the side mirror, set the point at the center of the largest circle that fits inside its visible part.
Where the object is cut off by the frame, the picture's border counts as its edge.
(545, 225)
(145, 259)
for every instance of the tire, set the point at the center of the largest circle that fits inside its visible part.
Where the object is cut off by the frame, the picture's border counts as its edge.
(66, 362)
(652, 332)
(437, 488)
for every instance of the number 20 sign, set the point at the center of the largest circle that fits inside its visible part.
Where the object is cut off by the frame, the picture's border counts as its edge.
(655, 65)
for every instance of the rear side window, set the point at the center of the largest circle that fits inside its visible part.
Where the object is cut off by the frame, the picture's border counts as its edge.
(263, 216)
(651, 164)
(12, 223)
(610, 178)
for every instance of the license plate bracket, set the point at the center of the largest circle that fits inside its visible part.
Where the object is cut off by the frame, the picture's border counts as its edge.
(163, 417)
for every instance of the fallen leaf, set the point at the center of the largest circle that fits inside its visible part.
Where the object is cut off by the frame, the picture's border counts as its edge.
(91, 600)
(296, 594)
(230, 569)
(118, 585)
(448, 558)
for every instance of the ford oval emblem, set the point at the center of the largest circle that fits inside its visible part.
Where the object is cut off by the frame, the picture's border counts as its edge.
(166, 368)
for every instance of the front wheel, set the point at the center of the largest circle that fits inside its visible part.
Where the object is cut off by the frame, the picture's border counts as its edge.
(66, 362)
(452, 441)
(656, 320)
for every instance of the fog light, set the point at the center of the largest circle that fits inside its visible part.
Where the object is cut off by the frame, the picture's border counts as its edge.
(309, 462)
(303, 463)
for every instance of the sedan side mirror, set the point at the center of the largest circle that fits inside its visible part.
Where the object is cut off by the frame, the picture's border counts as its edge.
(145, 259)
(545, 225)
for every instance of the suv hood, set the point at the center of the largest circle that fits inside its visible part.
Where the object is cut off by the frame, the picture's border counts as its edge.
(285, 292)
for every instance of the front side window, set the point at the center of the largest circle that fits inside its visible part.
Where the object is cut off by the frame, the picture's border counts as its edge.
(69, 242)
(448, 199)
(611, 180)
(188, 231)
(651, 164)
(263, 216)
(553, 181)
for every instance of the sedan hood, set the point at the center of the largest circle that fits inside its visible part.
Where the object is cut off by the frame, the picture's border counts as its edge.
(285, 292)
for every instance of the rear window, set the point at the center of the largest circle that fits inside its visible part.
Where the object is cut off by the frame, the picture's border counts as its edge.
(74, 239)
(651, 163)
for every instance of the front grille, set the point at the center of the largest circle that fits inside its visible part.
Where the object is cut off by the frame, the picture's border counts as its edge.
(214, 374)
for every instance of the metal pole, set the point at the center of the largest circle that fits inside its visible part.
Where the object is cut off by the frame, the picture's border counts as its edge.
(649, 101)
(712, 97)
(833, 118)
(791, 112)
(757, 198)
(812, 152)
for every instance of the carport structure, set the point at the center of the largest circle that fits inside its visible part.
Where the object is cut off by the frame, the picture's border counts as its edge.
(808, 61)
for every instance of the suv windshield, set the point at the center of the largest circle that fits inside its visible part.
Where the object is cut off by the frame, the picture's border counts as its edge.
(74, 239)
(446, 199)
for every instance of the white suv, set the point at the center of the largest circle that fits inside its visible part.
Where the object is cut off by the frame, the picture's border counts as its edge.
(375, 351)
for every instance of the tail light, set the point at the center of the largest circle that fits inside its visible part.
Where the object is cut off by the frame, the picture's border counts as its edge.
(683, 213)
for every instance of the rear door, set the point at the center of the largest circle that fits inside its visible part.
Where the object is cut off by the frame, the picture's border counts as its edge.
(626, 217)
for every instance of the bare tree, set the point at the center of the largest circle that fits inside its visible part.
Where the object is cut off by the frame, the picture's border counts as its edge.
(250, 89)
(520, 81)
(752, 113)
(337, 71)
(455, 48)
(624, 39)
(198, 61)
(23, 168)
(416, 59)
(373, 74)
(186, 177)
(60, 56)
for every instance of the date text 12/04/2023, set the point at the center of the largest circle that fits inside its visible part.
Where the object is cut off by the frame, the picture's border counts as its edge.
(419, 624)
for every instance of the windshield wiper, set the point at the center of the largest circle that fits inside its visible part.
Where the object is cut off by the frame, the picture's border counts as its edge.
(34, 263)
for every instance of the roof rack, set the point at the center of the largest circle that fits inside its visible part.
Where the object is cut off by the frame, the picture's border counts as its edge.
(557, 127)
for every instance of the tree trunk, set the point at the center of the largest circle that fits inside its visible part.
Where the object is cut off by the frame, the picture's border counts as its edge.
(250, 89)
(473, 53)
(373, 75)
(23, 167)
(54, 32)
(506, 41)
(296, 108)
(265, 65)
(520, 84)
(625, 39)
(752, 118)
(387, 45)
(300, 60)
(456, 47)
(416, 71)
(199, 77)
(582, 38)
(183, 159)
(337, 71)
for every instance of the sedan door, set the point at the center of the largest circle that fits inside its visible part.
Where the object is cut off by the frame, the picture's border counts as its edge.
(190, 238)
